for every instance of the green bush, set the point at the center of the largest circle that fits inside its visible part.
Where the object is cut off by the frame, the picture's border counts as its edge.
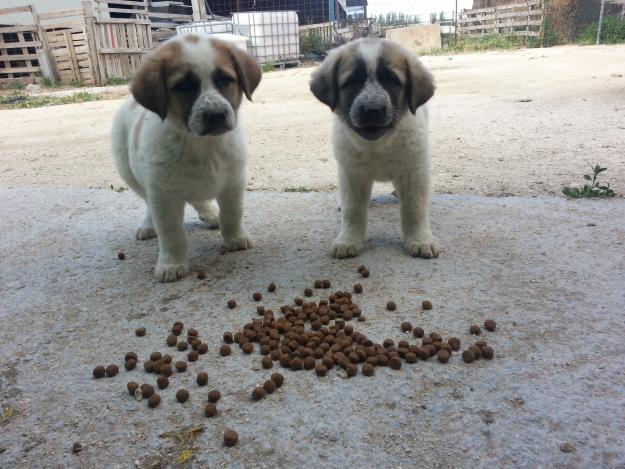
(612, 32)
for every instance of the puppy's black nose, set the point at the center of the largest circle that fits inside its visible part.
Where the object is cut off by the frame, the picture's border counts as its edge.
(214, 119)
(373, 116)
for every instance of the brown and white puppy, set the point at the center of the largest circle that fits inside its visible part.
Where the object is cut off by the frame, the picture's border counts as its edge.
(178, 140)
(377, 91)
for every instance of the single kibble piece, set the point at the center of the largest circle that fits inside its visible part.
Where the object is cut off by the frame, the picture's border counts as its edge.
(132, 387)
(365, 273)
(172, 340)
(140, 331)
(202, 349)
(257, 296)
(426, 304)
(121, 256)
(358, 288)
(232, 304)
(308, 292)
(269, 386)
(214, 396)
(181, 365)
(468, 356)
(321, 370)
(167, 359)
(178, 324)
(130, 355)
(368, 369)
(201, 275)
(182, 345)
(318, 284)
(162, 382)
(210, 410)
(361, 319)
(112, 370)
(443, 356)
(267, 362)
(271, 288)
(326, 283)
(193, 332)
(228, 337)
(176, 330)
(406, 326)
(225, 350)
(475, 329)
(258, 393)
(193, 356)
(130, 364)
(182, 395)
(148, 366)
(418, 332)
(154, 401)
(298, 301)
(488, 352)
(351, 370)
(481, 343)
(309, 363)
(490, 325)
(388, 343)
(155, 356)
(454, 343)
(278, 379)
(395, 363)
(248, 347)
(391, 306)
(202, 379)
(166, 370)
(296, 363)
(147, 390)
(230, 437)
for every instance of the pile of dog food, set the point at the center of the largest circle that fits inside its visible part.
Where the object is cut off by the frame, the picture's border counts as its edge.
(304, 335)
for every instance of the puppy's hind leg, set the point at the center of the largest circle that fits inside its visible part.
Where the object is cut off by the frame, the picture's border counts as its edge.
(208, 212)
(355, 193)
(230, 202)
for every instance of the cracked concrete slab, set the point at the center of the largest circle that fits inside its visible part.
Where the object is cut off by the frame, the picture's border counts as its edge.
(551, 272)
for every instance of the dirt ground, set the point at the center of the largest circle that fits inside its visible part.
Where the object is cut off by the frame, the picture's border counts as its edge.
(513, 122)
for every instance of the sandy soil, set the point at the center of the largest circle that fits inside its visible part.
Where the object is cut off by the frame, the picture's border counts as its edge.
(515, 122)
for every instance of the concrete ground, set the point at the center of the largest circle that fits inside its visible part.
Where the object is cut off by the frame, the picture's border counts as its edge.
(548, 270)
(523, 122)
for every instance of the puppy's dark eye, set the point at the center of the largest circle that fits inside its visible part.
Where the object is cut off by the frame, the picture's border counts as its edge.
(222, 80)
(187, 85)
(388, 77)
(354, 80)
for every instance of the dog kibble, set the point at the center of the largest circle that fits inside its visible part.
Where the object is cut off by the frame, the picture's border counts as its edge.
(181, 365)
(210, 410)
(202, 349)
(318, 284)
(368, 369)
(454, 343)
(418, 332)
(358, 288)
(475, 329)
(258, 393)
(309, 363)
(477, 352)
(269, 386)
(395, 363)
(112, 370)
(154, 401)
(147, 390)
(271, 288)
(130, 355)
(488, 352)
(121, 256)
(490, 325)
(308, 292)
(326, 283)
(248, 347)
(182, 345)
(172, 340)
(481, 343)
(232, 304)
(230, 437)
(148, 366)
(228, 337)
(202, 379)
(257, 296)
(201, 275)
(155, 356)
(267, 362)
(214, 396)
(166, 370)
(130, 364)
(182, 395)
(468, 356)
(321, 370)
(298, 301)
(278, 379)
(225, 350)
(296, 363)
(406, 326)
(388, 343)
(140, 332)
(132, 387)
(391, 306)
(365, 273)
(162, 382)
(427, 305)
(443, 356)
(193, 356)
(176, 330)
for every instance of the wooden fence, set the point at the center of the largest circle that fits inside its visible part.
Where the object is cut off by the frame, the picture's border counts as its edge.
(19, 46)
(515, 19)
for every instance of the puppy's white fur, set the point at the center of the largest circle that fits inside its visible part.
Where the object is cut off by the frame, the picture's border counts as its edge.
(401, 156)
(168, 164)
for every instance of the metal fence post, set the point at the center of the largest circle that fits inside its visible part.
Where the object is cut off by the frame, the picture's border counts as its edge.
(600, 22)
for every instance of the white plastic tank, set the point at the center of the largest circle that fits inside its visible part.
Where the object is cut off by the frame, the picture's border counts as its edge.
(207, 27)
(202, 28)
(273, 35)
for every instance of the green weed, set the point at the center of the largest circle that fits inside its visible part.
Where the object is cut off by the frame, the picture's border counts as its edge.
(593, 190)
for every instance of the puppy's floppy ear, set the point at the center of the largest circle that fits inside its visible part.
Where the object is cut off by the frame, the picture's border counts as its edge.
(324, 83)
(148, 85)
(419, 84)
(248, 70)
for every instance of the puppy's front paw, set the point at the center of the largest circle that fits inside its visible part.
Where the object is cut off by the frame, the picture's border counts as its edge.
(345, 247)
(145, 232)
(238, 243)
(422, 246)
(165, 272)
